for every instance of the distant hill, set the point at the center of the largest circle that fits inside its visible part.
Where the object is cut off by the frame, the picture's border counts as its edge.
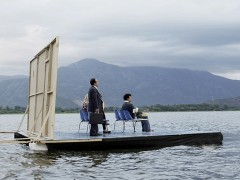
(148, 85)
(230, 102)
(13, 92)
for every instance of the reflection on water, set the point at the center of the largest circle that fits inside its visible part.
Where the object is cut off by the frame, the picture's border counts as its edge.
(179, 162)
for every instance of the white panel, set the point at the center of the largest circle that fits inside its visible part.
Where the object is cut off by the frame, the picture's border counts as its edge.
(42, 91)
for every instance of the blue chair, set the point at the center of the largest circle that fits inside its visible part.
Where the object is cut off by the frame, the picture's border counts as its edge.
(119, 117)
(124, 116)
(121, 114)
(84, 118)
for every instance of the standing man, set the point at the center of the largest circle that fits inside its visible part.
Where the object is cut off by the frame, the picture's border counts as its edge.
(96, 106)
(127, 105)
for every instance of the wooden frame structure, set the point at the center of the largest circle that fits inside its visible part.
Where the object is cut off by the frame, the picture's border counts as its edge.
(42, 92)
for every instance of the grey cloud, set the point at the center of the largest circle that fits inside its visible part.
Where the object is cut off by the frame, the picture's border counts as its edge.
(198, 35)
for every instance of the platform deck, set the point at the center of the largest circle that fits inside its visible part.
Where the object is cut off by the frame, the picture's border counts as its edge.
(128, 140)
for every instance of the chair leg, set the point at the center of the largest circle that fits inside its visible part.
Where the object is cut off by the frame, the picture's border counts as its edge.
(87, 128)
(79, 126)
(123, 126)
(114, 126)
(134, 125)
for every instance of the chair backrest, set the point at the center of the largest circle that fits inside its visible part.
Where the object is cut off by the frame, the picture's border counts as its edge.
(121, 114)
(127, 115)
(117, 115)
(84, 115)
(81, 115)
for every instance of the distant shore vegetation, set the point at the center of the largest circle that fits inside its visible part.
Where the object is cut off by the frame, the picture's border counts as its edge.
(153, 108)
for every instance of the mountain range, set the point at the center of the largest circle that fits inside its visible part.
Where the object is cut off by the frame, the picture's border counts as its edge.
(148, 85)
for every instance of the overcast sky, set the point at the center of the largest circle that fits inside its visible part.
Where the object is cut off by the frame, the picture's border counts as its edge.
(192, 34)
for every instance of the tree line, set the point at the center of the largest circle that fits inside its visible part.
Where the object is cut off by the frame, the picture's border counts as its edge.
(152, 108)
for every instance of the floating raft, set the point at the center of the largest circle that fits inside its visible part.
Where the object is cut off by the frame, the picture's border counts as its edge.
(118, 140)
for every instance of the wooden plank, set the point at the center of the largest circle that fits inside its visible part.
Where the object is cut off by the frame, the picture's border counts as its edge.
(70, 141)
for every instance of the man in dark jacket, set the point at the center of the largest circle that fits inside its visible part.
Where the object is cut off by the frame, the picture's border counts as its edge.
(96, 106)
(127, 105)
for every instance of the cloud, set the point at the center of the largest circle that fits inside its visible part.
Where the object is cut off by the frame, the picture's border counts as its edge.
(17, 51)
(201, 34)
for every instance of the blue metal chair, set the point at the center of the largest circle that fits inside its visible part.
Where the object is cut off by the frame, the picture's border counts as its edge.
(84, 118)
(124, 116)
(119, 117)
(121, 114)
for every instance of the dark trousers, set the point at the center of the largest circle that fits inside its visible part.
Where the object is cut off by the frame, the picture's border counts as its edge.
(94, 129)
(145, 126)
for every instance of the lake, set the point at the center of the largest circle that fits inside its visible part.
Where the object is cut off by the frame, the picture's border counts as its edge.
(179, 162)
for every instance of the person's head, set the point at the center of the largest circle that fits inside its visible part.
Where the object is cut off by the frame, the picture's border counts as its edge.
(94, 82)
(127, 97)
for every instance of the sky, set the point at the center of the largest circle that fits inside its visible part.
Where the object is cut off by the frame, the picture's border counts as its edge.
(192, 34)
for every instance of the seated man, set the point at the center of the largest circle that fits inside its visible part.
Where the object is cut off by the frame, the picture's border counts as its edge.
(127, 105)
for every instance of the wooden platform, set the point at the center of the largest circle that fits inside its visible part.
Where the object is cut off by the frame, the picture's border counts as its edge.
(118, 140)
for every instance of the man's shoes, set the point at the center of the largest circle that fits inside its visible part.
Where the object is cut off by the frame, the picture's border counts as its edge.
(98, 134)
(149, 130)
(106, 132)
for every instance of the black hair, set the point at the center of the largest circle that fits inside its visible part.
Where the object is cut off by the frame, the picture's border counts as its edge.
(92, 81)
(126, 96)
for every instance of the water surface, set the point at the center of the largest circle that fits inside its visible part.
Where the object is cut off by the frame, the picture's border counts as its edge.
(179, 162)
